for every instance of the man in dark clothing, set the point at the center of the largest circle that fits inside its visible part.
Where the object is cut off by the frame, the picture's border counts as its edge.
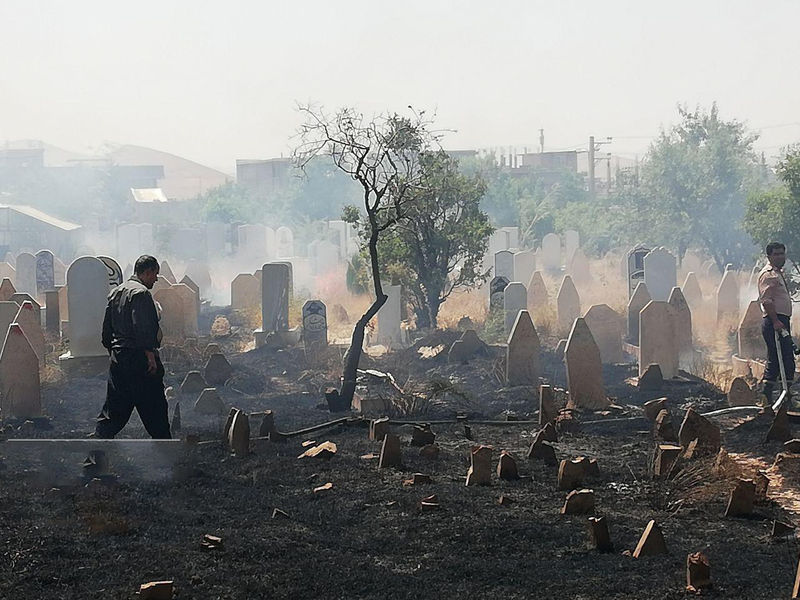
(135, 376)
(776, 306)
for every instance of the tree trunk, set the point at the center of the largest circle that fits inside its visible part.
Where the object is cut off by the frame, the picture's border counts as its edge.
(353, 355)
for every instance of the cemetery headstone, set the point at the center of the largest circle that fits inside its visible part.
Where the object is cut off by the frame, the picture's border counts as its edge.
(568, 304)
(635, 267)
(28, 318)
(7, 290)
(524, 265)
(26, 273)
(657, 340)
(639, 299)
(515, 299)
(728, 298)
(87, 291)
(522, 353)
(389, 316)
(537, 292)
(551, 252)
(245, 292)
(114, 271)
(579, 268)
(572, 241)
(480, 469)
(750, 341)
(660, 273)
(217, 370)
(165, 271)
(682, 319)
(315, 325)
(504, 264)
(692, 292)
(20, 394)
(584, 369)
(275, 282)
(45, 272)
(606, 327)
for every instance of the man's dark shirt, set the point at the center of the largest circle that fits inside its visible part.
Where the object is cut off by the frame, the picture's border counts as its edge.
(131, 320)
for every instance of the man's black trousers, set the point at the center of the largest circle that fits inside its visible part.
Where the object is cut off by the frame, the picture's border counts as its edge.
(772, 372)
(131, 386)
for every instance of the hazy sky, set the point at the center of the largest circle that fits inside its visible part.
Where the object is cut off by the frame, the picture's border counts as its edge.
(216, 81)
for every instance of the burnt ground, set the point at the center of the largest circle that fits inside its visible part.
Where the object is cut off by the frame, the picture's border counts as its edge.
(367, 537)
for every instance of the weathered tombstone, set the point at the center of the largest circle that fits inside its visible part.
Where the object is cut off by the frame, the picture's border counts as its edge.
(751, 342)
(570, 474)
(504, 264)
(26, 273)
(7, 272)
(8, 313)
(666, 455)
(572, 242)
(568, 304)
(239, 434)
(7, 290)
(578, 502)
(524, 265)
(507, 467)
(28, 318)
(728, 298)
(651, 543)
(696, 427)
(691, 291)
(198, 272)
(217, 370)
(635, 267)
(165, 271)
(465, 347)
(522, 353)
(740, 394)
(52, 318)
(172, 313)
(698, 572)
(315, 325)
(480, 469)
(190, 301)
(660, 273)
(45, 272)
(391, 452)
(537, 292)
(551, 252)
(682, 321)
(584, 369)
(598, 534)
(740, 502)
(389, 331)
(606, 327)
(193, 383)
(20, 394)
(548, 411)
(657, 343)
(115, 277)
(579, 268)
(284, 242)
(245, 292)
(639, 299)
(497, 288)
(515, 299)
(87, 291)
(209, 402)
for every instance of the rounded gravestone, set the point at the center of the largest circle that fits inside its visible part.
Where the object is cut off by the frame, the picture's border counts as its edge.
(87, 297)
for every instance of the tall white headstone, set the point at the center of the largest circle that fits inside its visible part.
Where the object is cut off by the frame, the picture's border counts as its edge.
(87, 296)
(660, 273)
(551, 252)
(389, 316)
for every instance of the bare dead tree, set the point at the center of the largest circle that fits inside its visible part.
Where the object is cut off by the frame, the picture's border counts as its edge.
(382, 155)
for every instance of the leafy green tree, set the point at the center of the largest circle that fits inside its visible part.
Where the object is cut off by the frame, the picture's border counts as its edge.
(774, 214)
(228, 203)
(439, 245)
(695, 180)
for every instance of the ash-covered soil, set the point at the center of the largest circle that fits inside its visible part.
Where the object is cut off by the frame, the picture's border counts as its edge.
(367, 536)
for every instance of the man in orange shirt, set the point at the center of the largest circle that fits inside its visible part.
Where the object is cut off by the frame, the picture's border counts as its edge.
(776, 306)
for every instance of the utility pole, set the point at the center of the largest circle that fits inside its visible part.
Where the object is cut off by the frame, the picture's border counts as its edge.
(541, 140)
(594, 147)
(608, 174)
